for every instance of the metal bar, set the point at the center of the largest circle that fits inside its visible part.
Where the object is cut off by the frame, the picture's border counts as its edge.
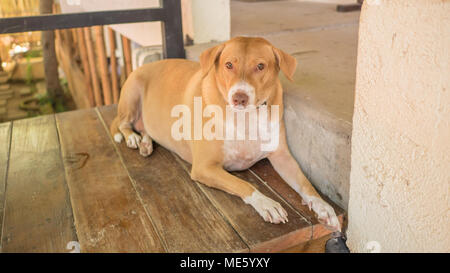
(171, 29)
(85, 19)
(348, 7)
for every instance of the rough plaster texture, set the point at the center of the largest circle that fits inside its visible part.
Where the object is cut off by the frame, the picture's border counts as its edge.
(211, 20)
(400, 179)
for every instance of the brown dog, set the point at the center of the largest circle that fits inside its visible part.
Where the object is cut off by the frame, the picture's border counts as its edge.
(240, 74)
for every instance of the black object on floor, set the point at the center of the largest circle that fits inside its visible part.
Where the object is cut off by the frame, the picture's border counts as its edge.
(337, 244)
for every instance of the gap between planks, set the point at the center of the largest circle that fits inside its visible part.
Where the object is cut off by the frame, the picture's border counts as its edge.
(133, 183)
(37, 216)
(5, 139)
(278, 236)
(227, 238)
(108, 214)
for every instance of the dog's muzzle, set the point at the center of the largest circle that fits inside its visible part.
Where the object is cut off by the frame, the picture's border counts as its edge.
(241, 95)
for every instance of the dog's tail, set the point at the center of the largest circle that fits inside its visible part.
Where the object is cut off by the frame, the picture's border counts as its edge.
(114, 130)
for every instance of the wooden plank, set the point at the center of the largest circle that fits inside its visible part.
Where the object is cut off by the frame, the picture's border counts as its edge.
(113, 58)
(126, 45)
(265, 172)
(38, 215)
(74, 75)
(85, 64)
(313, 246)
(185, 218)
(5, 140)
(91, 59)
(259, 235)
(103, 64)
(109, 216)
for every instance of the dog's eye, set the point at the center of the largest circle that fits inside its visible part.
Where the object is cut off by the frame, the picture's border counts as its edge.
(229, 65)
(260, 66)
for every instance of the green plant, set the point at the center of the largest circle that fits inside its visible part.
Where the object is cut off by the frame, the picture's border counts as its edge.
(34, 53)
(29, 72)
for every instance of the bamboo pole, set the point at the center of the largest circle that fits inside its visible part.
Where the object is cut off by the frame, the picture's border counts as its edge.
(127, 55)
(74, 37)
(91, 58)
(85, 64)
(114, 79)
(101, 56)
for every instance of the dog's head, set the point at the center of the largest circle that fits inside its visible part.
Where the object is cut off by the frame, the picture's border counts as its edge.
(246, 70)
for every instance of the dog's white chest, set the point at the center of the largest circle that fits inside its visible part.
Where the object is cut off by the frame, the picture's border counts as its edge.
(241, 154)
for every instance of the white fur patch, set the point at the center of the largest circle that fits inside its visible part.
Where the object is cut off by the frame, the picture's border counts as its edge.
(324, 211)
(269, 210)
(146, 147)
(245, 87)
(133, 141)
(241, 154)
(118, 137)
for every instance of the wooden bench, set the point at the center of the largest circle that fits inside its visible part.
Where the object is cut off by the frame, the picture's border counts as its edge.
(63, 179)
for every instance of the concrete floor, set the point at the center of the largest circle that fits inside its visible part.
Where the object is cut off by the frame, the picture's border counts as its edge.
(319, 103)
(323, 41)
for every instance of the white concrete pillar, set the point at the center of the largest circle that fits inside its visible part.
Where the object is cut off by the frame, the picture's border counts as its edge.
(400, 171)
(211, 20)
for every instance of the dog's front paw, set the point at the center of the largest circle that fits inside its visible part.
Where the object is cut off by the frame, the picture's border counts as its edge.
(133, 141)
(269, 210)
(325, 213)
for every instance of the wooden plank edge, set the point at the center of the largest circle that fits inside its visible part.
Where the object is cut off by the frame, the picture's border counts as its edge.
(5, 178)
(293, 238)
(66, 185)
(132, 181)
(213, 202)
(318, 229)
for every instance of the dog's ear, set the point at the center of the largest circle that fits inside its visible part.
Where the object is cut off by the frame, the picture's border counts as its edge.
(285, 62)
(209, 58)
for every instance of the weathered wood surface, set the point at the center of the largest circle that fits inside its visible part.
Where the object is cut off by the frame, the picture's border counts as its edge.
(92, 66)
(5, 136)
(37, 214)
(114, 77)
(259, 235)
(67, 180)
(268, 175)
(185, 218)
(103, 64)
(108, 213)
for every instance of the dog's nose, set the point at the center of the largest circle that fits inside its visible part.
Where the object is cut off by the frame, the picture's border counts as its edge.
(240, 98)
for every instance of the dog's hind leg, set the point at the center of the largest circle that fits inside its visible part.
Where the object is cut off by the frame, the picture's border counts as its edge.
(129, 112)
(146, 145)
(133, 139)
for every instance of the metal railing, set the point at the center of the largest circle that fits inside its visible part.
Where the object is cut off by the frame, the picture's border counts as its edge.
(169, 14)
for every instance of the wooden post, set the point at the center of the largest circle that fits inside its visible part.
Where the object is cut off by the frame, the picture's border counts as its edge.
(91, 58)
(103, 64)
(114, 78)
(75, 36)
(127, 55)
(85, 64)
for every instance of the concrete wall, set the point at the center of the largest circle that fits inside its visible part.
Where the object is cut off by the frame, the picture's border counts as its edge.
(211, 20)
(400, 178)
